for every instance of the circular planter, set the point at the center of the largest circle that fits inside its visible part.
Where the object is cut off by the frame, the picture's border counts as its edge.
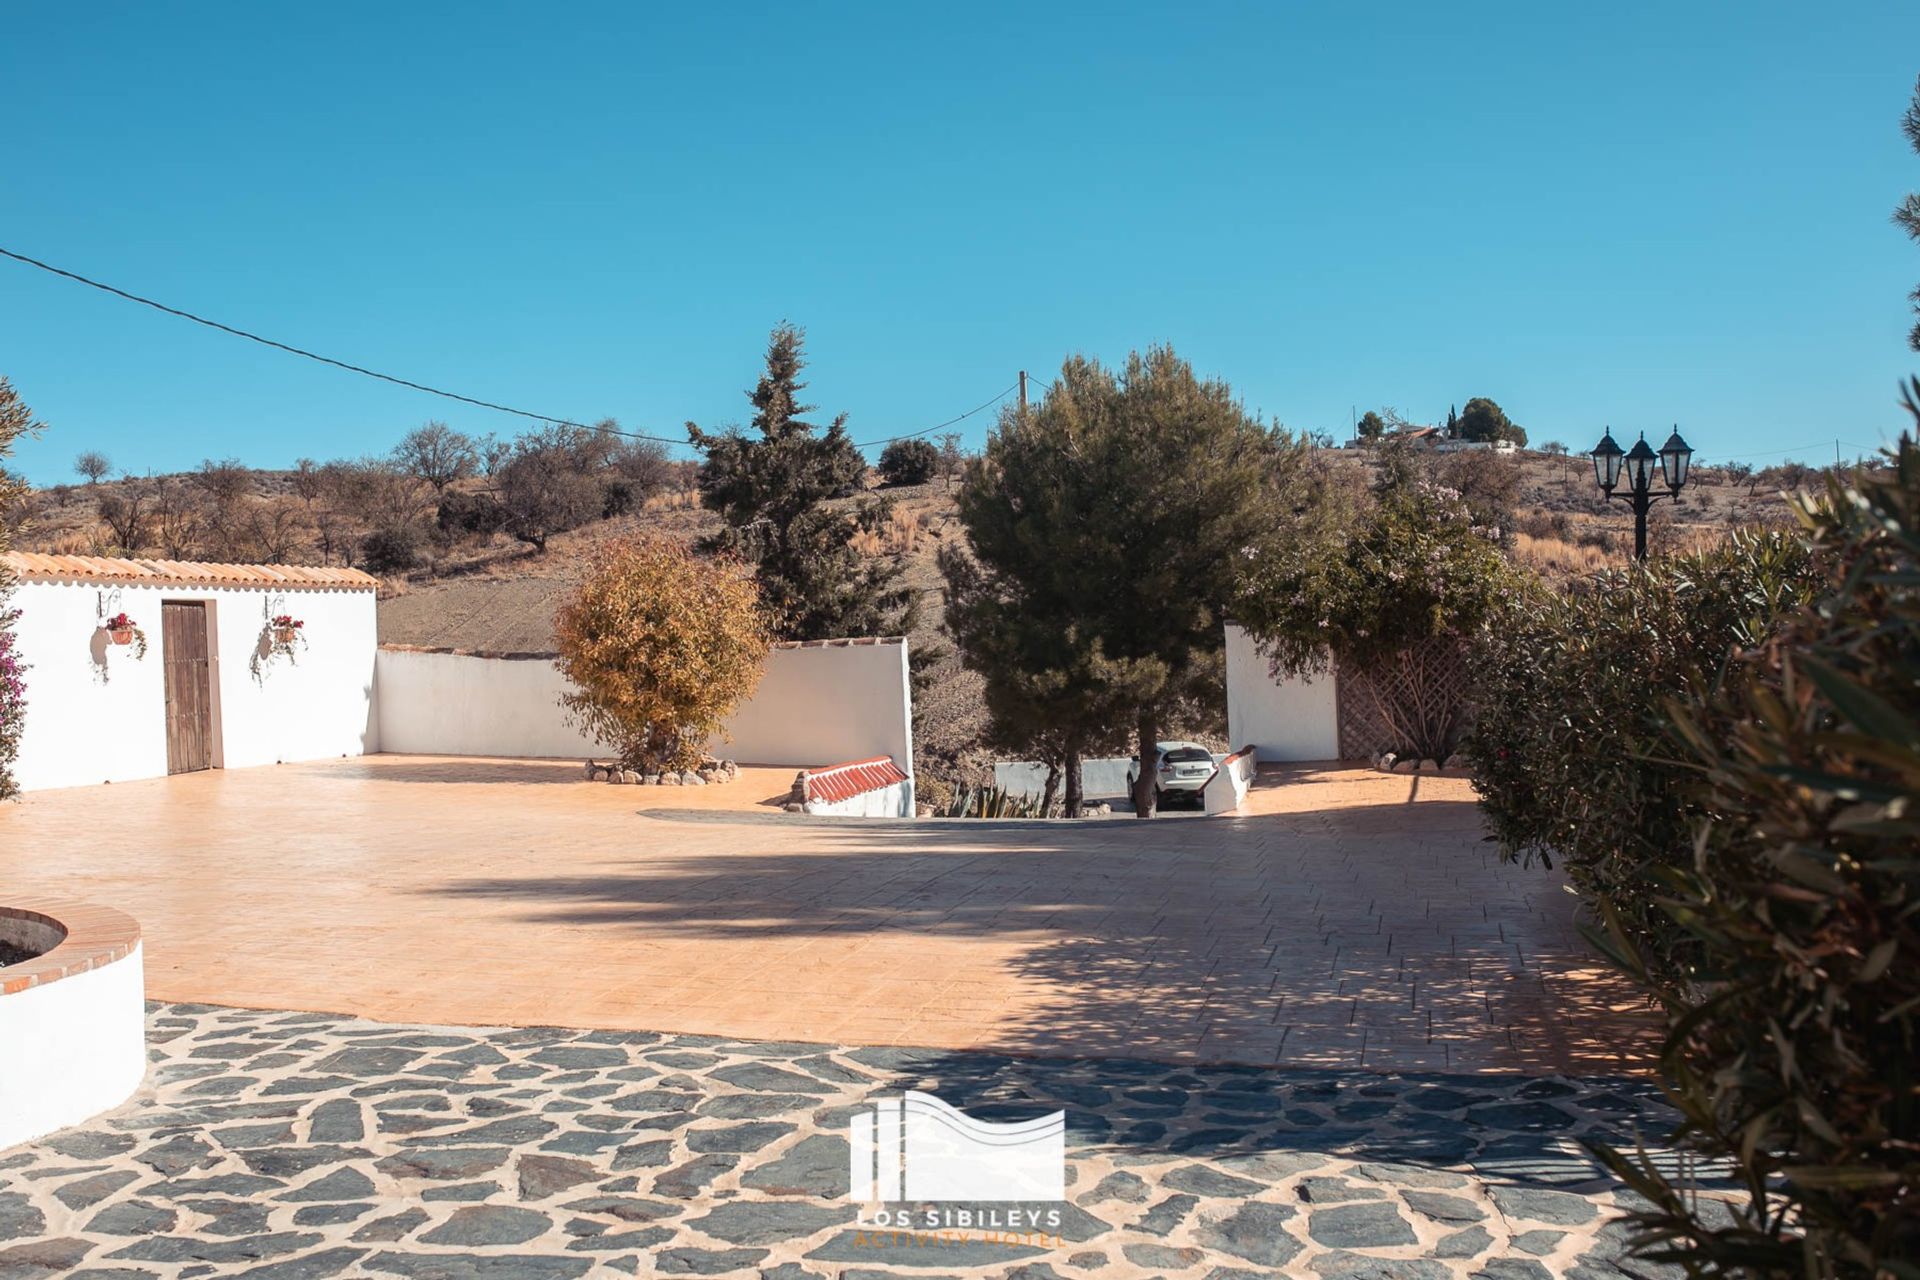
(285, 635)
(72, 1018)
(122, 635)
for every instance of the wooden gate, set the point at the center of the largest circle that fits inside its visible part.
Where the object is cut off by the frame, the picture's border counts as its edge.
(183, 633)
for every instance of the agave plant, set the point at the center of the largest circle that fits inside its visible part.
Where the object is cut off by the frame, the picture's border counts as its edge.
(996, 802)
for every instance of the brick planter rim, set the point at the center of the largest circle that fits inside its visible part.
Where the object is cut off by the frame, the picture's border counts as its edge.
(94, 936)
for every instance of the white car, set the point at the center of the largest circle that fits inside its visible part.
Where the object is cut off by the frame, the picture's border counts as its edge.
(1182, 769)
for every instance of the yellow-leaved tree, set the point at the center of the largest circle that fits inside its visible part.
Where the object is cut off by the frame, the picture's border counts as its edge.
(660, 645)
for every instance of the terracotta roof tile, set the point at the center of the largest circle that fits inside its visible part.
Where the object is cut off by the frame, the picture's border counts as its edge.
(34, 567)
(845, 643)
(856, 777)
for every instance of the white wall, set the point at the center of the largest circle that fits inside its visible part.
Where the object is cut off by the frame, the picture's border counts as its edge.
(1230, 781)
(1101, 778)
(815, 705)
(76, 1047)
(895, 801)
(89, 723)
(1292, 719)
(451, 704)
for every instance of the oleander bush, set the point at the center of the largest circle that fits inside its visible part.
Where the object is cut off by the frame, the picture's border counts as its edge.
(1570, 746)
(660, 645)
(16, 422)
(1796, 885)
(1395, 593)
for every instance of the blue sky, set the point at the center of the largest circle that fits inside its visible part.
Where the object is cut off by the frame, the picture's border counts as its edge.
(1631, 215)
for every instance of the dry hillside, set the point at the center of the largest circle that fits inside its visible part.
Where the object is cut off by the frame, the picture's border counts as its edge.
(495, 594)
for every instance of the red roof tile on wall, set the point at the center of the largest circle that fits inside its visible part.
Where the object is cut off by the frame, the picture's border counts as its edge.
(33, 567)
(855, 778)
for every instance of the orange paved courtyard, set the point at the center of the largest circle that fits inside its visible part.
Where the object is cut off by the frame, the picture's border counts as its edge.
(1349, 919)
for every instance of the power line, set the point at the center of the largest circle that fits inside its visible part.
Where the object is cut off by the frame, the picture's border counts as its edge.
(421, 386)
(1774, 453)
(313, 355)
(911, 435)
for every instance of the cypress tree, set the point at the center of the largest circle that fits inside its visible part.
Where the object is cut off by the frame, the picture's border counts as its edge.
(773, 493)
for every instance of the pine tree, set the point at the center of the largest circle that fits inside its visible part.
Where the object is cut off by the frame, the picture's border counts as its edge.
(1107, 526)
(773, 491)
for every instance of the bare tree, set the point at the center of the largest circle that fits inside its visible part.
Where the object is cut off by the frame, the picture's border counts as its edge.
(493, 452)
(437, 454)
(226, 481)
(178, 522)
(953, 460)
(273, 529)
(225, 484)
(92, 465)
(128, 514)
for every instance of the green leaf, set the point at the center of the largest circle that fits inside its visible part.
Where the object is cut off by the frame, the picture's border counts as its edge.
(1863, 708)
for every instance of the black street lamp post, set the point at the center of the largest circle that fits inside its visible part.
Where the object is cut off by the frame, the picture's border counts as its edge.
(1638, 463)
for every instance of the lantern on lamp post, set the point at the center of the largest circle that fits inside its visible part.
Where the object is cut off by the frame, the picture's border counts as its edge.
(1612, 465)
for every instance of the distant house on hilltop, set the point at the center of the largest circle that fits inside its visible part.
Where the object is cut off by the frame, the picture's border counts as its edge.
(1435, 440)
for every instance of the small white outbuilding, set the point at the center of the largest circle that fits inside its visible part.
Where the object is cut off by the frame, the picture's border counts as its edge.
(203, 678)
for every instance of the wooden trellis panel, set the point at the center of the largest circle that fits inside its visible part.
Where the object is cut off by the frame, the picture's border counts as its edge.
(1365, 734)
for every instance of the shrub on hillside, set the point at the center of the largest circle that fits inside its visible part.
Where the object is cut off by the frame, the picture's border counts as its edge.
(391, 550)
(470, 515)
(1798, 887)
(909, 462)
(660, 646)
(1569, 744)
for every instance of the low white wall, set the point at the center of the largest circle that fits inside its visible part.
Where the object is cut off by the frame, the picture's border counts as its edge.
(1102, 778)
(1231, 778)
(95, 713)
(815, 704)
(72, 1048)
(895, 801)
(1297, 718)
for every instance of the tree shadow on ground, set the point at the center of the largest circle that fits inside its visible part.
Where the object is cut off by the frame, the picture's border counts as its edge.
(1386, 937)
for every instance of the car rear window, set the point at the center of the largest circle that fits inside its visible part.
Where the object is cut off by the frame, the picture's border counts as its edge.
(1188, 755)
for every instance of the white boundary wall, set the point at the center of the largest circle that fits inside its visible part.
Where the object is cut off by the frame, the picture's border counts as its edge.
(74, 1047)
(1102, 778)
(895, 801)
(1231, 778)
(817, 703)
(95, 713)
(1292, 719)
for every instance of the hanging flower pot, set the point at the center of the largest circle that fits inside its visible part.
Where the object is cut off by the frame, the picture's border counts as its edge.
(124, 630)
(282, 636)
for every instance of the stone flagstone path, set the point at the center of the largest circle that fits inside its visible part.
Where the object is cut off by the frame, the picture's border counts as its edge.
(290, 1145)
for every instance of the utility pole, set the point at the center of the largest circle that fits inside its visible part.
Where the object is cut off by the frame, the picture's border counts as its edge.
(1023, 397)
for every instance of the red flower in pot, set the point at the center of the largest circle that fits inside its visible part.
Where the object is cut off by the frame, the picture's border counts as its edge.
(286, 628)
(120, 628)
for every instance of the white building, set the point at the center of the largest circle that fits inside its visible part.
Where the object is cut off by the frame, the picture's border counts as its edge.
(220, 686)
(212, 690)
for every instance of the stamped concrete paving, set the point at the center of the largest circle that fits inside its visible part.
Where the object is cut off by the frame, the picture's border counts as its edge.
(271, 1144)
(1357, 920)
